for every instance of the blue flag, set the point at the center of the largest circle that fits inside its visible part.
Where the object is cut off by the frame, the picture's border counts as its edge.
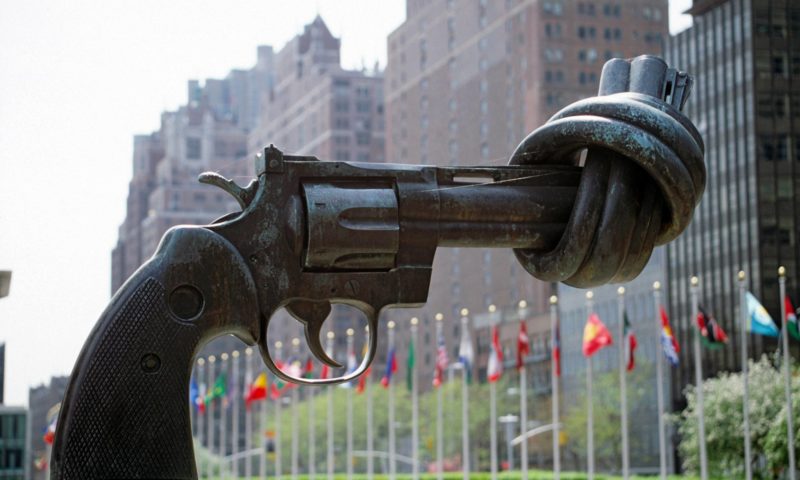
(194, 392)
(760, 321)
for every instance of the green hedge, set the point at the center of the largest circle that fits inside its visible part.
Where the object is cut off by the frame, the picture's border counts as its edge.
(532, 475)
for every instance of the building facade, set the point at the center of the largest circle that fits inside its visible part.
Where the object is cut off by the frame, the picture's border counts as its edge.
(208, 133)
(13, 431)
(466, 81)
(41, 401)
(745, 56)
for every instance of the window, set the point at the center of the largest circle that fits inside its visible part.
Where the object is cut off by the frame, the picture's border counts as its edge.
(193, 148)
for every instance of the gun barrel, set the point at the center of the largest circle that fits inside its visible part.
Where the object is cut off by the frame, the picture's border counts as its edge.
(506, 216)
(362, 225)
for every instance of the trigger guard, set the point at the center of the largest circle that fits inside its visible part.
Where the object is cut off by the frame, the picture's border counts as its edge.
(372, 346)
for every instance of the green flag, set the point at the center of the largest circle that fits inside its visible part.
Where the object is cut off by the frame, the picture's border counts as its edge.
(220, 388)
(410, 365)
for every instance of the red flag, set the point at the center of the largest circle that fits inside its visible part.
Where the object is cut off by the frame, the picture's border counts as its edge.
(325, 372)
(711, 334)
(629, 342)
(523, 344)
(362, 380)
(557, 350)
(391, 367)
(595, 336)
(256, 391)
(274, 393)
(441, 362)
(495, 368)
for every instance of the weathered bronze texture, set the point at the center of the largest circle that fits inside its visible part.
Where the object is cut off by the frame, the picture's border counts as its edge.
(584, 200)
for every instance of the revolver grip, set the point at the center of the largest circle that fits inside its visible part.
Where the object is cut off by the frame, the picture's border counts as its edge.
(126, 410)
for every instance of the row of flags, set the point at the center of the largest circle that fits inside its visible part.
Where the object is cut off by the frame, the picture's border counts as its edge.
(596, 336)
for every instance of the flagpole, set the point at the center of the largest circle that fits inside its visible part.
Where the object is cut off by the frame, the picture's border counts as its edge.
(748, 469)
(278, 451)
(235, 414)
(349, 458)
(698, 376)
(414, 406)
(370, 446)
(523, 405)
(465, 401)
(261, 429)
(329, 420)
(210, 412)
(554, 387)
(787, 376)
(439, 407)
(662, 436)
(223, 442)
(392, 447)
(200, 416)
(589, 401)
(295, 418)
(312, 455)
(623, 386)
(493, 412)
(248, 415)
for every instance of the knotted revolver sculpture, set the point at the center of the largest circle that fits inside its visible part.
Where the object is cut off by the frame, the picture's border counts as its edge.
(584, 200)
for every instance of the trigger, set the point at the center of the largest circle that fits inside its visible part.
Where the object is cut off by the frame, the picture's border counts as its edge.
(313, 315)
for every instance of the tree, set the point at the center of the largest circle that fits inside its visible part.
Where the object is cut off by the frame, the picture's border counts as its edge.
(607, 418)
(723, 398)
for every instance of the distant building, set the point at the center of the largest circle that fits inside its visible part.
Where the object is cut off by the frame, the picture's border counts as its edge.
(319, 108)
(745, 56)
(2, 371)
(13, 428)
(208, 133)
(41, 400)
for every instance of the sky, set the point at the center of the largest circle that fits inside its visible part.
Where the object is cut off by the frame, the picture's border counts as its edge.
(77, 80)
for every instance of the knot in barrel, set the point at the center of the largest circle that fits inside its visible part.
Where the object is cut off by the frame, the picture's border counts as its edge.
(643, 174)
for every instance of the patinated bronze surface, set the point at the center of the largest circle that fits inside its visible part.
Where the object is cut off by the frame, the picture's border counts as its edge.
(584, 200)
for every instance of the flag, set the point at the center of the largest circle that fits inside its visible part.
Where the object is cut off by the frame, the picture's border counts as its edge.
(595, 336)
(523, 345)
(712, 334)
(410, 365)
(362, 380)
(219, 389)
(40, 463)
(760, 322)
(466, 355)
(441, 361)
(495, 368)
(308, 370)
(391, 367)
(257, 391)
(274, 391)
(194, 392)
(791, 319)
(200, 400)
(50, 431)
(668, 342)
(557, 350)
(629, 342)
